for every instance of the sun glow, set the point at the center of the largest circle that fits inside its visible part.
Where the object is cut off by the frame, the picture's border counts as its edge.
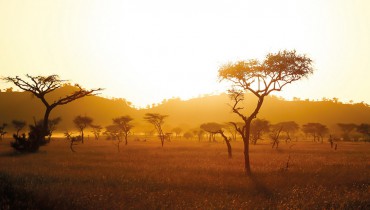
(146, 51)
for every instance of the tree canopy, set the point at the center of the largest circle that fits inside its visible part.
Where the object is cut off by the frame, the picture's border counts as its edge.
(157, 120)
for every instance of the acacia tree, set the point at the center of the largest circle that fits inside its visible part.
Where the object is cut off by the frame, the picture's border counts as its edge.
(18, 125)
(275, 135)
(157, 120)
(81, 122)
(123, 123)
(113, 133)
(317, 130)
(365, 130)
(212, 128)
(258, 127)
(261, 78)
(289, 128)
(96, 130)
(41, 86)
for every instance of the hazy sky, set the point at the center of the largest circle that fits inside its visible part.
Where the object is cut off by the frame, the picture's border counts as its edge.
(145, 50)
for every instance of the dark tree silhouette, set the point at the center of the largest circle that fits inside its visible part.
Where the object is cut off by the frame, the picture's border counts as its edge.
(157, 120)
(346, 129)
(199, 133)
(113, 133)
(96, 131)
(317, 130)
(81, 122)
(227, 141)
(72, 139)
(258, 127)
(123, 123)
(18, 125)
(41, 86)
(365, 130)
(2, 131)
(231, 129)
(188, 135)
(212, 128)
(289, 128)
(33, 142)
(275, 135)
(52, 124)
(261, 78)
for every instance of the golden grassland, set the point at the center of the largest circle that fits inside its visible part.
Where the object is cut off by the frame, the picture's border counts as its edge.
(185, 175)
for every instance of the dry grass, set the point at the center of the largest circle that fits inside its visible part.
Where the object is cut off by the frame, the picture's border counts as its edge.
(185, 175)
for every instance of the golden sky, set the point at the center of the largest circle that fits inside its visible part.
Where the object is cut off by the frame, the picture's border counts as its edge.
(146, 51)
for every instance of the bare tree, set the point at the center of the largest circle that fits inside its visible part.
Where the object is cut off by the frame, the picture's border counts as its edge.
(41, 86)
(123, 123)
(18, 125)
(260, 79)
(81, 122)
(157, 120)
(72, 139)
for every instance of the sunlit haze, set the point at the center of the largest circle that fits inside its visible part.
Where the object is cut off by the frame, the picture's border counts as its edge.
(146, 51)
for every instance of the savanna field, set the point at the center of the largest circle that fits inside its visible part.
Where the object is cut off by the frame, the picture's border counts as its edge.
(185, 175)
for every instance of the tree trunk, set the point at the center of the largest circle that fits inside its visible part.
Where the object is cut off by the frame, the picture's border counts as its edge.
(229, 151)
(246, 136)
(247, 166)
(46, 121)
(82, 136)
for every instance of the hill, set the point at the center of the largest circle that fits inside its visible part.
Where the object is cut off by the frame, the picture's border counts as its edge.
(185, 114)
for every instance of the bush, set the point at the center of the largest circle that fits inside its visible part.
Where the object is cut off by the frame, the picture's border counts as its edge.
(36, 138)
